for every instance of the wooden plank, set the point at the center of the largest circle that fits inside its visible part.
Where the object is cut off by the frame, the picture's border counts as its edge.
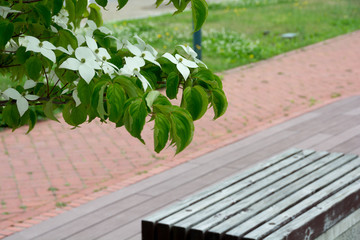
(247, 196)
(92, 218)
(262, 199)
(148, 223)
(248, 186)
(352, 171)
(322, 217)
(313, 181)
(339, 139)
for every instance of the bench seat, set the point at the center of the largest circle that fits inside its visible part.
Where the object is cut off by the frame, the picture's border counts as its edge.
(298, 194)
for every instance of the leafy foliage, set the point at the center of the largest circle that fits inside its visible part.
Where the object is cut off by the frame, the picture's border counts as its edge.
(61, 57)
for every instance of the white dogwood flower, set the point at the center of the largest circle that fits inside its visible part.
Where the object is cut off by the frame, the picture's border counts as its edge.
(142, 54)
(192, 54)
(68, 51)
(132, 68)
(143, 46)
(182, 64)
(101, 53)
(85, 62)
(91, 27)
(22, 103)
(45, 48)
(62, 18)
(4, 11)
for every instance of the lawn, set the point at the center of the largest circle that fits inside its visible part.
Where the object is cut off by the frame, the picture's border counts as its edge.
(241, 32)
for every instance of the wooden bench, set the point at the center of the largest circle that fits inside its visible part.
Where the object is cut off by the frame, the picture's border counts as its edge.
(298, 194)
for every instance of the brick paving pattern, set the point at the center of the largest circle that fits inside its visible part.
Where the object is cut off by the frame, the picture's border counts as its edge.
(53, 168)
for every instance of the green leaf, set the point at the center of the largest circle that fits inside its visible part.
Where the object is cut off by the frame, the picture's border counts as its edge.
(6, 31)
(195, 100)
(84, 92)
(161, 132)
(22, 55)
(33, 67)
(121, 3)
(95, 14)
(159, 2)
(172, 85)
(70, 7)
(116, 98)
(102, 3)
(81, 7)
(49, 110)
(32, 120)
(66, 112)
(199, 13)
(95, 95)
(44, 14)
(182, 128)
(219, 103)
(134, 118)
(100, 107)
(11, 116)
(66, 37)
(78, 115)
(58, 4)
(128, 85)
(151, 97)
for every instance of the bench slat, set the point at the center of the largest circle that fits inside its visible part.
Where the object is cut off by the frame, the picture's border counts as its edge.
(263, 199)
(353, 174)
(306, 191)
(322, 217)
(250, 195)
(148, 223)
(252, 184)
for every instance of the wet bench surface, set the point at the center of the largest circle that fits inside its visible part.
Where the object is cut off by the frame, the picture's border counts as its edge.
(298, 194)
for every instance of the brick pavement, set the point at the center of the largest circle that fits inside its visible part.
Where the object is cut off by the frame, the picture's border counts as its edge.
(53, 168)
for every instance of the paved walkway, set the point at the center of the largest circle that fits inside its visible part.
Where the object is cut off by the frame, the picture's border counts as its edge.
(55, 167)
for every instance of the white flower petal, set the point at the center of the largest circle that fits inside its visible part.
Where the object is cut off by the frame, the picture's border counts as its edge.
(32, 40)
(189, 63)
(34, 47)
(76, 98)
(49, 54)
(91, 24)
(86, 73)
(48, 45)
(91, 43)
(71, 63)
(134, 62)
(171, 58)
(133, 49)
(185, 72)
(22, 105)
(143, 80)
(80, 39)
(29, 84)
(148, 56)
(103, 53)
(127, 71)
(104, 30)
(93, 64)
(189, 51)
(12, 93)
(84, 53)
(31, 97)
(53, 29)
(63, 50)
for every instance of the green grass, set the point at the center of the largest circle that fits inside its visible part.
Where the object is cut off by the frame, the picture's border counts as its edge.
(241, 32)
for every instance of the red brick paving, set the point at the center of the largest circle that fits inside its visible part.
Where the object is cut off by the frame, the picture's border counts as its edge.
(54, 165)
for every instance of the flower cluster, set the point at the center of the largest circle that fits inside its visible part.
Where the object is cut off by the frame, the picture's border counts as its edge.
(60, 57)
